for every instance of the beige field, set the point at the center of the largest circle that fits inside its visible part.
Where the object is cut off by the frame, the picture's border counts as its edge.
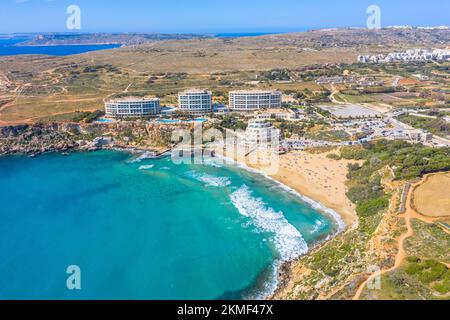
(38, 87)
(41, 87)
(432, 198)
(199, 56)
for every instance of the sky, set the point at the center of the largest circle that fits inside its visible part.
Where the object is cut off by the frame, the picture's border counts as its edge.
(214, 16)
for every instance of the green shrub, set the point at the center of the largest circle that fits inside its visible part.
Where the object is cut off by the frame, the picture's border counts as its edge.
(354, 153)
(412, 259)
(372, 207)
(442, 288)
(334, 156)
(413, 268)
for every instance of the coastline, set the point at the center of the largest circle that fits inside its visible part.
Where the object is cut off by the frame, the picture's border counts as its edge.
(312, 177)
(292, 181)
(321, 179)
(119, 45)
(291, 176)
(304, 174)
(271, 285)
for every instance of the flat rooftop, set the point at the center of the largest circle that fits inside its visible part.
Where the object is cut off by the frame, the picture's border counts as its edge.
(350, 110)
(132, 99)
(194, 91)
(254, 91)
(277, 110)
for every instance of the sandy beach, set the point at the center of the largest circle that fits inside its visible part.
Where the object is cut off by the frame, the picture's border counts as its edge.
(312, 175)
(319, 178)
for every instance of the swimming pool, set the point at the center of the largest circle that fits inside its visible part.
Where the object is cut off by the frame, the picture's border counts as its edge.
(104, 120)
(174, 121)
(168, 121)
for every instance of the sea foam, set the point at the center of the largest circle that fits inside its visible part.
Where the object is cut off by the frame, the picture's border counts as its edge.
(210, 180)
(287, 239)
(143, 156)
(318, 226)
(314, 204)
(211, 162)
(146, 167)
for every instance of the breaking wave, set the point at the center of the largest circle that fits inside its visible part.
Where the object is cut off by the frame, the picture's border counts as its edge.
(314, 204)
(212, 162)
(210, 180)
(287, 239)
(146, 167)
(144, 156)
(318, 226)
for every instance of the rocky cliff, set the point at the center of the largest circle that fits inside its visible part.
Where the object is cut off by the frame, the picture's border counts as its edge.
(62, 137)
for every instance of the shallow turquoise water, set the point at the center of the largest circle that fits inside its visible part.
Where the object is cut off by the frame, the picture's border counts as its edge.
(145, 230)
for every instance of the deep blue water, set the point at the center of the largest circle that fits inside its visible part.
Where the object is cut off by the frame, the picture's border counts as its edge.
(8, 47)
(145, 229)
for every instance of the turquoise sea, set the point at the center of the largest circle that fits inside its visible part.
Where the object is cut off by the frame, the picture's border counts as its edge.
(146, 229)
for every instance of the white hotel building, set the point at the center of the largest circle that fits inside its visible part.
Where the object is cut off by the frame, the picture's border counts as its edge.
(132, 107)
(261, 133)
(246, 101)
(195, 102)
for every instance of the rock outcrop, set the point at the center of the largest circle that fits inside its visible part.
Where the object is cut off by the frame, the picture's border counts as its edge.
(62, 137)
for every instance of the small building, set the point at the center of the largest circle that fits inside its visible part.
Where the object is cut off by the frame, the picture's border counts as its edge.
(330, 80)
(278, 114)
(421, 77)
(220, 109)
(415, 136)
(427, 137)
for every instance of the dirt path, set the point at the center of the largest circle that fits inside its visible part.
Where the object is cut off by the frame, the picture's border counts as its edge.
(6, 105)
(128, 88)
(397, 98)
(401, 255)
(335, 91)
